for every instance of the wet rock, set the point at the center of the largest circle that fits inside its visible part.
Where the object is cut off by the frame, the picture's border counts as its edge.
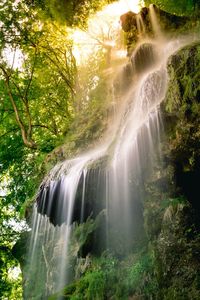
(52, 201)
(167, 23)
(128, 21)
(144, 57)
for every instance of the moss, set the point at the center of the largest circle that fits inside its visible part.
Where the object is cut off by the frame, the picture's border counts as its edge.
(171, 216)
(177, 254)
(182, 101)
(110, 278)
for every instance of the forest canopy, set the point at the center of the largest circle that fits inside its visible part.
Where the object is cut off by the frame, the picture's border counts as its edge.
(70, 12)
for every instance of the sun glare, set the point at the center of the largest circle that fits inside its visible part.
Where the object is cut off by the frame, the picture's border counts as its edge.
(14, 57)
(103, 29)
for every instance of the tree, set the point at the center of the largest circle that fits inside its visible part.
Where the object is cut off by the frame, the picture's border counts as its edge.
(24, 88)
(68, 12)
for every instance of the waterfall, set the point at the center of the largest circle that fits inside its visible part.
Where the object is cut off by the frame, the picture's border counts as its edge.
(105, 183)
(154, 21)
(140, 26)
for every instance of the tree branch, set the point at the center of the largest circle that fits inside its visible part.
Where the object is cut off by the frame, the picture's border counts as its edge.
(8, 132)
(57, 64)
(31, 77)
(46, 127)
(26, 139)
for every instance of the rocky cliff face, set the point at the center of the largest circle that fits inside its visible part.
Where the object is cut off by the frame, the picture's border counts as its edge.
(172, 205)
(140, 25)
(171, 209)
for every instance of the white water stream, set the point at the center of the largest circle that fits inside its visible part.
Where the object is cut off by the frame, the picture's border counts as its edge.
(116, 187)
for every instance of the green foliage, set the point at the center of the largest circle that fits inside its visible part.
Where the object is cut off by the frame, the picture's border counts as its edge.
(96, 282)
(140, 278)
(176, 257)
(174, 202)
(10, 284)
(90, 287)
(183, 103)
(81, 235)
(109, 278)
(69, 12)
(180, 7)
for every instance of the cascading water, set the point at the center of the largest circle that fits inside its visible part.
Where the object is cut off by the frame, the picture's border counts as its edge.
(140, 26)
(104, 184)
(154, 21)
